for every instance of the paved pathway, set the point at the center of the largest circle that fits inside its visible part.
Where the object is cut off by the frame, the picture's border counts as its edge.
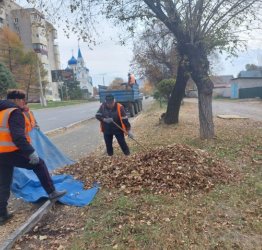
(251, 109)
(80, 141)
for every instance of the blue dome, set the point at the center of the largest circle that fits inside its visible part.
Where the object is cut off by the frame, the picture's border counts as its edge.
(72, 61)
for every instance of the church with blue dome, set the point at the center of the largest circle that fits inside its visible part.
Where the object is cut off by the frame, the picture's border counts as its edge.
(81, 72)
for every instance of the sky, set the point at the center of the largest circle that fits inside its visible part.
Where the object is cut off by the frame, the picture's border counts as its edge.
(232, 66)
(109, 59)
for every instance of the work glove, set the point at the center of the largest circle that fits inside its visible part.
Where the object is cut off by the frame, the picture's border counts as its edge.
(34, 158)
(108, 120)
(130, 134)
(37, 127)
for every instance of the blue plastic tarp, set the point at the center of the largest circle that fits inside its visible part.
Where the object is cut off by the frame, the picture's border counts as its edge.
(32, 191)
(27, 186)
(52, 156)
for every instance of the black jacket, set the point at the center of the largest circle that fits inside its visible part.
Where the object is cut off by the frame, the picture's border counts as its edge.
(105, 112)
(17, 128)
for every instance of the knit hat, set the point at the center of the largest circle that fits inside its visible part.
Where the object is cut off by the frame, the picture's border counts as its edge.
(109, 98)
(15, 94)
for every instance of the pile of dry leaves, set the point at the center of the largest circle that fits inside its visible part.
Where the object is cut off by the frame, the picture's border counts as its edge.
(168, 169)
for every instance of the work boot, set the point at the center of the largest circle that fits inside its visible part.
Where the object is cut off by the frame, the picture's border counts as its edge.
(4, 218)
(56, 194)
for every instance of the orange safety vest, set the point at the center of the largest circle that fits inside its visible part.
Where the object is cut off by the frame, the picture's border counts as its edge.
(30, 120)
(118, 107)
(132, 79)
(6, 142)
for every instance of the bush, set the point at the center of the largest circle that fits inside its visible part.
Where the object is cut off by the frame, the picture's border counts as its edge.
(6, 80)
(165, 88)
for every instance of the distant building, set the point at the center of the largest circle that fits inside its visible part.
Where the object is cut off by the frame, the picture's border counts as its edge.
(248, 84)
(81, 72)
(222, 85)
(37, 34)
(221, 88)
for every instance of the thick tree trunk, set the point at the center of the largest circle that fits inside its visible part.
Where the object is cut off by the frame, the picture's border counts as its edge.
(205, 115)
(178, 92)
(199, 67)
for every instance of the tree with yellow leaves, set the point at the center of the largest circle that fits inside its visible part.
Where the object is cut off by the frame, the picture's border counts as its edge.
(22, 63)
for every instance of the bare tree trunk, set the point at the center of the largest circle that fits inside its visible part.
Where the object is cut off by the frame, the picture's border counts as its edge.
(178, 92)
(205, 115)
(199, 67)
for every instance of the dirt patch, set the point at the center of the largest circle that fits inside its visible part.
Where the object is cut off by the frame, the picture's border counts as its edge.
(21, 211)
(55, 229)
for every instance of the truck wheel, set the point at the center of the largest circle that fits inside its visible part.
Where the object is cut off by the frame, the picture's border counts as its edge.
(131, 109)
(136, 108)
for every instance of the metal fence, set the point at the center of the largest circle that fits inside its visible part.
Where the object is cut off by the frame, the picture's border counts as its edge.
(250, 92)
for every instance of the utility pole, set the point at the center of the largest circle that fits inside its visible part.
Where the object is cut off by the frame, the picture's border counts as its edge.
(42, 98)
(103, 75)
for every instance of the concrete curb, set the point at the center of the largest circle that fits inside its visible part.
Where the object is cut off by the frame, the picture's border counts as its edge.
(27, 226)
(70, 126)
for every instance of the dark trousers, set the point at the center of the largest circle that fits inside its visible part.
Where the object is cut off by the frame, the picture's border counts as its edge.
(121, 141)
(7, 163)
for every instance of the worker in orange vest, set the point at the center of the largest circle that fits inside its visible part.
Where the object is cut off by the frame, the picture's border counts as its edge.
(30, 118)
(111, 112)
(16, 151)
(131, 79)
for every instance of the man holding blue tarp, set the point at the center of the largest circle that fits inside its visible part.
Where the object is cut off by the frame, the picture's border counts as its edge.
(16, 150)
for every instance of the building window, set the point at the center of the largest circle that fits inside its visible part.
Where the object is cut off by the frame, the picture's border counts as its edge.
(16, 20)
(40, 48)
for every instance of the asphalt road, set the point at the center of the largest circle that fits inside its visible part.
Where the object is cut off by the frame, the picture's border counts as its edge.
(54, 118)
(251, 109)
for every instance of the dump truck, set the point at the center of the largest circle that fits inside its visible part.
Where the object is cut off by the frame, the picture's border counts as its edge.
(129, 97)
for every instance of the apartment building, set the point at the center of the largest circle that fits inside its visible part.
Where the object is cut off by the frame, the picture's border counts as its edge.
(37, 34)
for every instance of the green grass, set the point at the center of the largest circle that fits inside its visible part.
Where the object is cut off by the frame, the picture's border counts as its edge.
(226, 218)
(52, 104)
